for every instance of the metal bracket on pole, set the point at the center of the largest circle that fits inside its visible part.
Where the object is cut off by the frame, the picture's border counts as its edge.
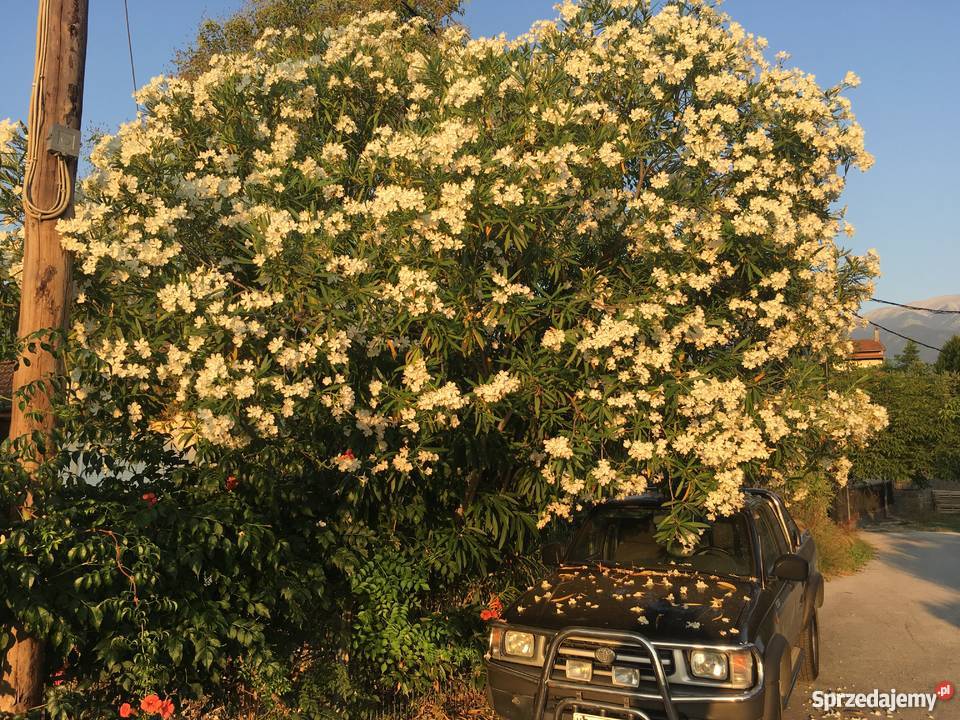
(63, 141)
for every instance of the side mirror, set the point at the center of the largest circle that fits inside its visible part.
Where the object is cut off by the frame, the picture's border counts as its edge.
(791, 567)
(551, 553)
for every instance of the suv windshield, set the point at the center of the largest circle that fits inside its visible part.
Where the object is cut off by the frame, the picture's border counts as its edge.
(625, 536)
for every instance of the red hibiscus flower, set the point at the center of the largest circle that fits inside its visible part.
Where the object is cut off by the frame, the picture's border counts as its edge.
(149, 498)
(126, 710)
(151, 703)
(166, 709)
(486, 615)
(232, 483)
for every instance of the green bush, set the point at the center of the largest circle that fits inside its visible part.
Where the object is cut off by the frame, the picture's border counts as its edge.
(922, 440)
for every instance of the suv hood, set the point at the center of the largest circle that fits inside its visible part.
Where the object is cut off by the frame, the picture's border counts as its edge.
(669, 603)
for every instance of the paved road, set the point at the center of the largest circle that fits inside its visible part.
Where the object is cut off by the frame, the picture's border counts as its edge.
(894, 625)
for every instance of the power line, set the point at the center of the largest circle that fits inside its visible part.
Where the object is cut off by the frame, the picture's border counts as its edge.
(894, 332)
(935, 311)
(133, 71)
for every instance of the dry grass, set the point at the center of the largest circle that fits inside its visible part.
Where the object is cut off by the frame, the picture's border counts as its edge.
(841, 550)
(459, 701)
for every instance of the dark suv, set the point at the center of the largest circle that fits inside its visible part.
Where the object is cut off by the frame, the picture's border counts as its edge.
(625, 630)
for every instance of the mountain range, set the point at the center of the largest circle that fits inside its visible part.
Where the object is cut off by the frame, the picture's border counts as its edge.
(926, 327)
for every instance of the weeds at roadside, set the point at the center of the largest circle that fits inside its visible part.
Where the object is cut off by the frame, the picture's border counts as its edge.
(841, 550)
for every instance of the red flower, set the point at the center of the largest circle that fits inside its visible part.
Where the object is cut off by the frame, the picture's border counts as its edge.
(150, 498)
(151, 703)
(126, 710)
(232, 483)
(58, 677)
(166, 709)
(348, 454)
(493, 609)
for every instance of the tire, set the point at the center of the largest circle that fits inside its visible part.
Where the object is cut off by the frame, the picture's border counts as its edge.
(810, 643)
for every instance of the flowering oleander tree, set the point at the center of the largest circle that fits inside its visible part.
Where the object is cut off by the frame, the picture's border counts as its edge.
(417, 293)
(591, 261)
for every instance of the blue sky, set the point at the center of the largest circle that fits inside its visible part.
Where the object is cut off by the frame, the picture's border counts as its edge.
(908, 104)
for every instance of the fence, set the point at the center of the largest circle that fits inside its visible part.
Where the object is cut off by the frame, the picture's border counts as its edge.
(946, 501)
(864, 500)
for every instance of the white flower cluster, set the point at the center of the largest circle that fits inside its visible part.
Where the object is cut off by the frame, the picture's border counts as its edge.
(501, 385)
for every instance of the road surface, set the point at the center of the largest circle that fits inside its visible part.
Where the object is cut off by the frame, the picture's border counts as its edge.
(896, 624)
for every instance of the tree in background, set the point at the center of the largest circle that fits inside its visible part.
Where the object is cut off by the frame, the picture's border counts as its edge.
(949, 358)
(909, 357)
(920, 443)
(239, 32)
(357, 309)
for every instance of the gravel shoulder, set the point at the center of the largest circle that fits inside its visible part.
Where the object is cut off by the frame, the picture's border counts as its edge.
(896, 624)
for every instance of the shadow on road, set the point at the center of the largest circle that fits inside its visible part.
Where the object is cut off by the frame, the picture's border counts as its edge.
(892, 626)
(928, 556)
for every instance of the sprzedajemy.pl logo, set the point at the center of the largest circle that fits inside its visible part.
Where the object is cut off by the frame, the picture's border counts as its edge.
(882, 700)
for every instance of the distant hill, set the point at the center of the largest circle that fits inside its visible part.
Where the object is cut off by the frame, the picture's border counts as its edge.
(926, 327)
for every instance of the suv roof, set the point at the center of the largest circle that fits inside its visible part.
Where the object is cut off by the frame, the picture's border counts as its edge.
(752, 495)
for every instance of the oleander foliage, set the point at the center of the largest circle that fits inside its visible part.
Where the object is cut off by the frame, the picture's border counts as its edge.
(241, 30)
(12, 154)
(357, 310)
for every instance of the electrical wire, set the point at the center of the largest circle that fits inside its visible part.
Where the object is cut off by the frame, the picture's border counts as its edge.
(899, 335)
(935, 311)
(35, 123)
(133, 70)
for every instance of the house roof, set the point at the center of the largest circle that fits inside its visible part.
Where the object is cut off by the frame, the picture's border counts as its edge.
(868, 350)
(868, 346)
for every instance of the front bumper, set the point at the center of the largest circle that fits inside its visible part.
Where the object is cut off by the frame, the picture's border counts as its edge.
(511, 691)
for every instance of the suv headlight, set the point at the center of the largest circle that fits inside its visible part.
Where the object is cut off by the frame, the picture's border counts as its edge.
(519, 644)
(709, 664)
(734, 667)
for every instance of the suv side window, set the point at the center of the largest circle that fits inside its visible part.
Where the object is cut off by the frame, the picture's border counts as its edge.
(772, 542)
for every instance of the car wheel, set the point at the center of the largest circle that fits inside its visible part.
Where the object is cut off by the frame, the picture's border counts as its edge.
(811, 650)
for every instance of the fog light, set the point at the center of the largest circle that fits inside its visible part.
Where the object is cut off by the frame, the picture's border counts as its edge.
(626, 676)
(708, 664)
(579, 670)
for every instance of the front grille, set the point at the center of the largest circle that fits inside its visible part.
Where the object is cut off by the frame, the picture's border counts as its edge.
(633, 656)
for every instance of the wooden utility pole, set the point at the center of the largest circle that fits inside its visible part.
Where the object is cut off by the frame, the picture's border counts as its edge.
(53, 132)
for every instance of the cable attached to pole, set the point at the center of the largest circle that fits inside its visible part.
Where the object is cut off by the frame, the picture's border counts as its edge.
(935, 311)
(899, 335)
(133, 69)
(35, 123)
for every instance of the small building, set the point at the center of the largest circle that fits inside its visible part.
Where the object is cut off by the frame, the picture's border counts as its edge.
(868, 352)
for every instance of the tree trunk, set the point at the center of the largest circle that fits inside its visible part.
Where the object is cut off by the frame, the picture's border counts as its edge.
(46, 280)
